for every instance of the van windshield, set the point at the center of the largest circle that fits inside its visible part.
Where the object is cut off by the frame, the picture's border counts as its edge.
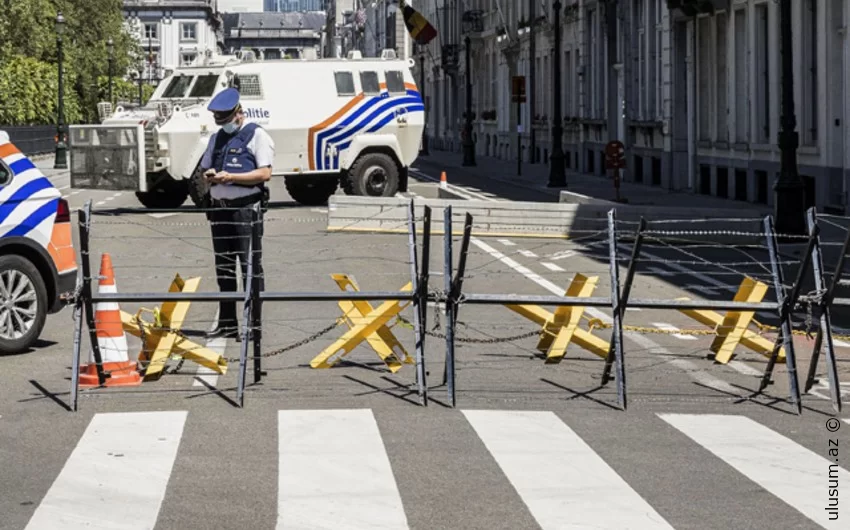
(178, 86)
(204, 86)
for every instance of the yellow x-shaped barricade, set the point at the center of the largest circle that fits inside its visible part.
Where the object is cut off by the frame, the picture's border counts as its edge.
(561, 327)
(732, 329)
(162, 338)
(366, 323)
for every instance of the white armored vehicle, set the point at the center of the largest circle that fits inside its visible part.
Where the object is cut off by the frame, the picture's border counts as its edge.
(355, 123)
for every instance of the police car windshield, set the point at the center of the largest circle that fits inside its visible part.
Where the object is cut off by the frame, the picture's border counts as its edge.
(204, 86)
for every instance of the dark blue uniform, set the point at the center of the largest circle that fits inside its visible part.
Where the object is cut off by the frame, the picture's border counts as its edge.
(232, 208)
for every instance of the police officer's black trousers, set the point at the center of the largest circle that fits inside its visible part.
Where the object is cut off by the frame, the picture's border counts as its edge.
(231, 234)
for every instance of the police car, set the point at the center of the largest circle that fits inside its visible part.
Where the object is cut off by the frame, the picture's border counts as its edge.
(354, 123)
(38, 265)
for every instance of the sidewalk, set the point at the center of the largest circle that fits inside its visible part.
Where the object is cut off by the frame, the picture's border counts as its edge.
(499, 177)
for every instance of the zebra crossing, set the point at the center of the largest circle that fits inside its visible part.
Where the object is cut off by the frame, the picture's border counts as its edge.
(334, 469)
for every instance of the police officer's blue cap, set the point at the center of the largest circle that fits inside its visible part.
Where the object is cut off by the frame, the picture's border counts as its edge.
(225, 101)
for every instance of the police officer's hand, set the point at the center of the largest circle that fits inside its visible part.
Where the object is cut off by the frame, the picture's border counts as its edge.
(222, 177)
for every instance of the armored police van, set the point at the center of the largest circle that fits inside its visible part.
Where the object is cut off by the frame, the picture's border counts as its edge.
(354, 123)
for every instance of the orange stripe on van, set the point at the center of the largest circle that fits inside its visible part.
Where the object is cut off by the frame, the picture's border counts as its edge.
(8, 150)
(61, 248)
(314, 129)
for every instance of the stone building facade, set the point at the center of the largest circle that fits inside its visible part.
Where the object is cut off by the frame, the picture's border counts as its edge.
(695, 97)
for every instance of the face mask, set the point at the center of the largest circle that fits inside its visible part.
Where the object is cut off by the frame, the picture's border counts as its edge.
(230, 128)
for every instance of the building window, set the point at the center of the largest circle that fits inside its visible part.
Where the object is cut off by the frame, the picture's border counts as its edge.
(762, 55)
(151, 31)
(189, 31)
(187, 59)
(595, 62)
(809, 125)
(742, 84)
(704, 77)
(722, 109)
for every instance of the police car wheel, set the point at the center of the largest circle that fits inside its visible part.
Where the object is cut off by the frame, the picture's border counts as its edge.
(23, 304)
(375, 175)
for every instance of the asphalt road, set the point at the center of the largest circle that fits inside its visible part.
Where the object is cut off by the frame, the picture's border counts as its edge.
(530, 444)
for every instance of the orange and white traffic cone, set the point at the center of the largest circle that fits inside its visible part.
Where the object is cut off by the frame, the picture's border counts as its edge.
(111, 339)
(443, 181)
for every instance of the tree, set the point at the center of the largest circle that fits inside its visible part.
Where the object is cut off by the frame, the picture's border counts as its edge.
(29, 32)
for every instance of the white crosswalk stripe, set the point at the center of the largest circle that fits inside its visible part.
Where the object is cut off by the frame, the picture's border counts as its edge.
(316, 464)
(117, 475)
(334, 470)
(793, 473)
(561, 478)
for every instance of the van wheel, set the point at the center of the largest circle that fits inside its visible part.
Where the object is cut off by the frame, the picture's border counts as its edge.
(375, 175)
(346, 183)
(23, 304)
(167, 194)
(313, 190)
(199, 189)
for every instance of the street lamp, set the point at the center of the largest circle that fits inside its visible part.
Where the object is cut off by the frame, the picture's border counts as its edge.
(110, 48)
(557, 171)
(471, 23)
(790, 199)
(61, 158)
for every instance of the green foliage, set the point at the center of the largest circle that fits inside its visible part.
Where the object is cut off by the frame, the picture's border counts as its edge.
(28, 45)
(123, 90)
(28, 93)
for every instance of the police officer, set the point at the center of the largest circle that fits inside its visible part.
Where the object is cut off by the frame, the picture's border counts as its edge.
(237, 164)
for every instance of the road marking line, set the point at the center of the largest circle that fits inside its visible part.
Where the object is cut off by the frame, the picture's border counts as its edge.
(564, 254)
(506, 242)
(663, 326)
(76, 192)
(99, 203)
(527, 253)
(659, 271)
(561, 479)
(698, 275)
(207, 375)
(63, 187)
(161, 215)
(743, 368)
(551, 266)
(794, 474)
(334, 472)
(117, 475)
(840, 343)
(692, 369)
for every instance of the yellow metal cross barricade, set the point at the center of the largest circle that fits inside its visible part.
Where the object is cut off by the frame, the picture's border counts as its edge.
(163, 338)
(369, 324)
(561, 327)
(732, 329)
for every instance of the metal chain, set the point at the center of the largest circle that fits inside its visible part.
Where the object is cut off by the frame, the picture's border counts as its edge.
(493, 340)
(315, 336)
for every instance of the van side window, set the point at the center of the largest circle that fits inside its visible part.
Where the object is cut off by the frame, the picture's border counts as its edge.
(369, 83)
(344, 83)
(248, 85)
(5, 174)
(395, 82)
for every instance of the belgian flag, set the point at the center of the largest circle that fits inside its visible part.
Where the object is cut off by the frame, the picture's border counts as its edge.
(418, 26)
